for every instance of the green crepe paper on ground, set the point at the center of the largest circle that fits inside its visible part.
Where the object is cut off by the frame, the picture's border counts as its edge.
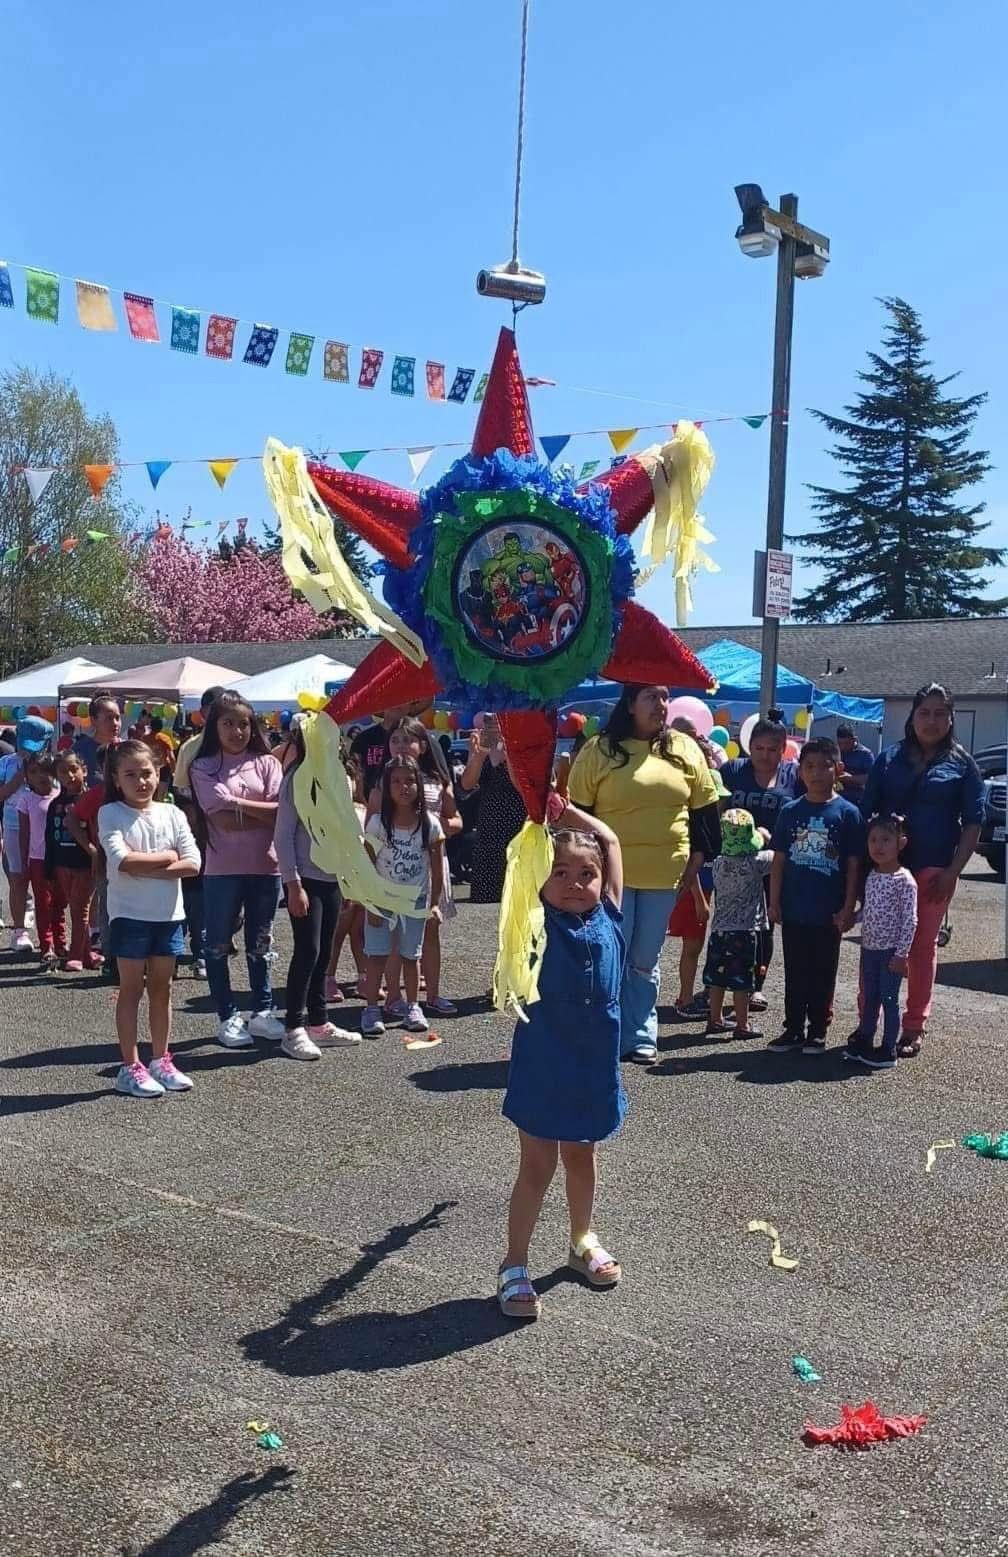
(269, 1441)
(987, 1146)
(805, 1371)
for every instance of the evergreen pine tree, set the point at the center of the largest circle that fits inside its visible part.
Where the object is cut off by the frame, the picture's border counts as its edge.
(896, 543)
(349, 544)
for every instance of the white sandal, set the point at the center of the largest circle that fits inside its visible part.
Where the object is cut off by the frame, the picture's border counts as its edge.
(589, 1259)
(512, 1280)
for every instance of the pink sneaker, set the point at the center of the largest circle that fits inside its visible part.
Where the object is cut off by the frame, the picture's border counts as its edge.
(166, 1073)
(72, 965)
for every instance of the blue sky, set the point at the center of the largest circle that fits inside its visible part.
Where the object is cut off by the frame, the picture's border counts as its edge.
(346, 170)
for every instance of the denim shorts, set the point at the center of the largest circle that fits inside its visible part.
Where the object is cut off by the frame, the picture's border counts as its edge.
(138, 939)
(404, 935)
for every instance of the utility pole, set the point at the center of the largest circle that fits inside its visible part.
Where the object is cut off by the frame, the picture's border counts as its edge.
(780, 404)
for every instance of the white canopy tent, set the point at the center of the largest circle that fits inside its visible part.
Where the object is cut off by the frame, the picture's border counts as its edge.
(42, 684)
(169, 681)
(279, 688)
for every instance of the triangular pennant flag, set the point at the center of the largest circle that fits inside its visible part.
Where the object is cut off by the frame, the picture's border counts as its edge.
(619, 459)
(69, 544)
(11, 554)
(241, 525)
(97, 535)
(222, 525)
(97, 476)
(196, 524)
(554, 444)
(162, 532)
(140, 317)
(94, 306)
(622, 437)
(6, 290)
(481, 386)
(588, 469)
(352, 457)
(156, 469)
(221, 469)
(756, 422)
(42, 295)
(418, 458)
(38, 480)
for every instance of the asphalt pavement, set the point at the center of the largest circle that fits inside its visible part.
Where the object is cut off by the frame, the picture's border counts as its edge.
(313, 1247)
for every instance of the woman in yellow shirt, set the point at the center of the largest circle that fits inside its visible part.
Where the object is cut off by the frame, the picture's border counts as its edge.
(652, 786)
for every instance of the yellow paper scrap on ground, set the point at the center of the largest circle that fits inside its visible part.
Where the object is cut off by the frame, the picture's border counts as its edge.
(781, 1261)
(934, 1149)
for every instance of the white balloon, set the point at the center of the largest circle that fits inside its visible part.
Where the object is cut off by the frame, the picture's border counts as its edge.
(747, 728)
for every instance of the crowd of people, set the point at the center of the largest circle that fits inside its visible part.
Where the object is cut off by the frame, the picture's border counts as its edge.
(138, 844)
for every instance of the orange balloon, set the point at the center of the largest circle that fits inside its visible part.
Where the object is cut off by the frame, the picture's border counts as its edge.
(723, 718)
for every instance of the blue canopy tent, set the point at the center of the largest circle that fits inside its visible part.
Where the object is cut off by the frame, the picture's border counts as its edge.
(737, 669)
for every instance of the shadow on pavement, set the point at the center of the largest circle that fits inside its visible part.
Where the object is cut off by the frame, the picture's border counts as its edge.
(41, 1102)
(757, 1067)
(984, 975)
(308, 1342)
(204, 1526)
(486, 1075)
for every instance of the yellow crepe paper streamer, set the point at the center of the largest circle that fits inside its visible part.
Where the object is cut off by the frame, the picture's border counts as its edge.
(781, 1261)
(521, 930)
(312, 702)
(306, 530)
(325, 807)
(934, 1149)
(679, 472)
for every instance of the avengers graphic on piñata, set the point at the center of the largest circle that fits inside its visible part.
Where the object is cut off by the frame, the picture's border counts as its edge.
(521, 590)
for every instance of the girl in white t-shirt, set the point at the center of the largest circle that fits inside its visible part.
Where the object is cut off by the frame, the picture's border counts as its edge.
(149, 850)
(407, 842)
(410, 738)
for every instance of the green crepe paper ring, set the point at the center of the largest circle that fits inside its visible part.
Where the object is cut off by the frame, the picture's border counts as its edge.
(542, 680)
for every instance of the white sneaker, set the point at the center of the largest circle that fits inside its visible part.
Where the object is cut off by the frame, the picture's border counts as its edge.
(20, 940)
(172, 1079)
(415, 1021)
(333, 1037)
(199, 968)
(233, 1033)
(299, 1046)
(265, 1025)
(137, 1081)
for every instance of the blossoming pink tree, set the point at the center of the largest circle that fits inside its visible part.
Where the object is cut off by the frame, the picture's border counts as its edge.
(195, 596)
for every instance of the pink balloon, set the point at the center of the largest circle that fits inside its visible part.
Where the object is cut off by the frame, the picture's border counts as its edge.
(691, 708)
(792, 751)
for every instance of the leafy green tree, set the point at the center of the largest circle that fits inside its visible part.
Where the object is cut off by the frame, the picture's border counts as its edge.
(349, 544)
(898, 542)
(54, 593)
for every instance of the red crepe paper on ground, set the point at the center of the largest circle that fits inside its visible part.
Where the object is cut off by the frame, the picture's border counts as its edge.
(862, 1426)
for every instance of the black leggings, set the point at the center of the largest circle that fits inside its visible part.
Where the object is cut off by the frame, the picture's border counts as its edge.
(811, 957)
(313, 939)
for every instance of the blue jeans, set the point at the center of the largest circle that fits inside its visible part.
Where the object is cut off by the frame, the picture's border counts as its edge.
(645, 922)
(880, 988)
(222, 898)
(192, 902)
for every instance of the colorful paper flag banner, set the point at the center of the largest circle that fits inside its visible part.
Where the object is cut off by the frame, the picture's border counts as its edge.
(588, 469)
(299, 350)
(418, 459)
(461, 384)
(220, 337)
(94, 306)
(42, 295)
(402, 375)
(38, 480)
(141, 318)
(622, 437)
(481, 386)
(371, 361)
(185, 330)
(221, 469)
(352, 457)
(6, 290)
(262, 343)
(435, 381)
(156, 469)
(222, 525)
(97, 477)
(336, 362)
(554, 444)
(756, 422)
